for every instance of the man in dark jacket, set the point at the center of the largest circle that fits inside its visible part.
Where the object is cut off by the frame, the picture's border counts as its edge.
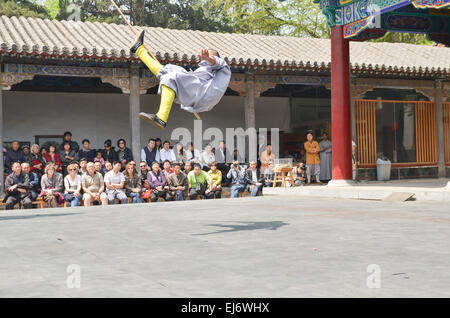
(109, 154)
(73, 144)
(15, 154)
(17, 189)
(254, 178)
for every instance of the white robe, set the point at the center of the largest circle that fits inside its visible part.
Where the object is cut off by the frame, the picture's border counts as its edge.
(325, 160)
(197, 91)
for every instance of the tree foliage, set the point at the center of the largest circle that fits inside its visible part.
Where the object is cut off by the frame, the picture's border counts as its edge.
(26, 8)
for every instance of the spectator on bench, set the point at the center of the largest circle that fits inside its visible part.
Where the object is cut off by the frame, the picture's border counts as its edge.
(115, 182)
(109, 153)
(133, 184)
(83, 166)
(166, 153)
(26, 153)
(150, 153)
(86, 152)
(158, 184)
(143, 172)
(53, 156)
(15, 154)
(99, 158)
(108, 167)
(98, 168)
(124, 154)
(178, 183)
(216, 180)
(72, 186)
(269, 175)
(237, 177)
(16, 189)
(167, 169)
(73, 144)
(254, 178)
(67, 155)
(198, 183)
(32, 178)
(52, 186)
(187, 167)
(93, 186)
(207, 157)
(37, 163)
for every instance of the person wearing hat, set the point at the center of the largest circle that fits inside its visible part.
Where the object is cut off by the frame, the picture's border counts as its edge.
(109, 154)
(73, 144)
(26, 153)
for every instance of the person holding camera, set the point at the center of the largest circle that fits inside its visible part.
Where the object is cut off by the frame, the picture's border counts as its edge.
(237, 177)
(299, 174)
(198, 183)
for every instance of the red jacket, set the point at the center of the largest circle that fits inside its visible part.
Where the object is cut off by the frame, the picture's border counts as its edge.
(56, 161)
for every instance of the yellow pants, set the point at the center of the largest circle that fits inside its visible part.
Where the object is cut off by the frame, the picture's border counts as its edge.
(167, 94)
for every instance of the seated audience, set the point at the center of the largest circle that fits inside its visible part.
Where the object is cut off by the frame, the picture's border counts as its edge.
(143, 171)
(67, 156)
(15, 154)
(83, 166)
(33, 179)
(269, 175)
(86, 152)
(133, 184)
(198, 183)
(109, 153)
(37, 163)
(98, 168)
(179, 154)
(267, 156)
(72, 186)
(73, 144)
(93, 186)
(26, 153)
(187, 167)
(124, 154)
(115, 182)
(43, 153)
(99, 158)
(158, 183)
(150, 153)
(52, 186)
(166, 153)
(193, 155)
(108, 167)
(167, 168)
(178, 183)
(17, 189)
(207, 157)
(254, 179)
(216, 180)
(299, 174)
(237, 177)
(222, 154)
(53, 156)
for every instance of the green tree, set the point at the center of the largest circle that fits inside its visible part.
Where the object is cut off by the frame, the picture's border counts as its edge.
(26, 8)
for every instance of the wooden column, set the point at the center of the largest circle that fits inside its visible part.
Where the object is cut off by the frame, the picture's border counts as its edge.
(135, 109)
(340, 107)
(250, 115)
(440, 129)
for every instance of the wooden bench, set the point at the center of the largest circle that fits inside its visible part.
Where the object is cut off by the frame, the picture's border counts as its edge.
(39, 202)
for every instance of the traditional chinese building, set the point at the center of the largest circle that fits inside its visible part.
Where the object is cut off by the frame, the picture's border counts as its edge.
(412, 131)
(67, 75)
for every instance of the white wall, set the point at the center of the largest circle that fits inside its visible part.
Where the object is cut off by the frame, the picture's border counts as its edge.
(105, 116)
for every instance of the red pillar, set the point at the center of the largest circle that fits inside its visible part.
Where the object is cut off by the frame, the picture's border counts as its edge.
(340, 105)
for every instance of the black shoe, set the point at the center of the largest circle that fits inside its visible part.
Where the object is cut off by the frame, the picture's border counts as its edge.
(138, 42)
(155, 120)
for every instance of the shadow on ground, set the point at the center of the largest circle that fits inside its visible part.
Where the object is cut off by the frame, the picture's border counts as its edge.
(25, 217)
(247, 226)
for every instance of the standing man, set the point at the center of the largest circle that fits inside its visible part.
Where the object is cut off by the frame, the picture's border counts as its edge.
(312, 158)
(115, 181)
(150, 153)
(325, 158)
(86, 152)
(73, 144)
(17, 189)
(267, 157)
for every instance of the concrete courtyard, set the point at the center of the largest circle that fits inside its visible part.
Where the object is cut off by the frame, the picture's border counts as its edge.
(268, 246)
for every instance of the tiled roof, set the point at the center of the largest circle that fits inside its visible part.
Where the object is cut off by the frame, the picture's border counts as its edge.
(30, 36)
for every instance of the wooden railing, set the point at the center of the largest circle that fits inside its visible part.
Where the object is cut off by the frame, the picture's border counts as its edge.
(425, 131)
(446, 118)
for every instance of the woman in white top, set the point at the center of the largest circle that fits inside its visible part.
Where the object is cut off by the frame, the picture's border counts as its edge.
(72, 186)
(207, 157)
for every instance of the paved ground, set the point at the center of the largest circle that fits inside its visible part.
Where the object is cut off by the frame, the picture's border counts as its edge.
(252, 247)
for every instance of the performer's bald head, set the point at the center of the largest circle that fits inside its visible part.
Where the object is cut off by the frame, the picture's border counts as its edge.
(213, 52)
